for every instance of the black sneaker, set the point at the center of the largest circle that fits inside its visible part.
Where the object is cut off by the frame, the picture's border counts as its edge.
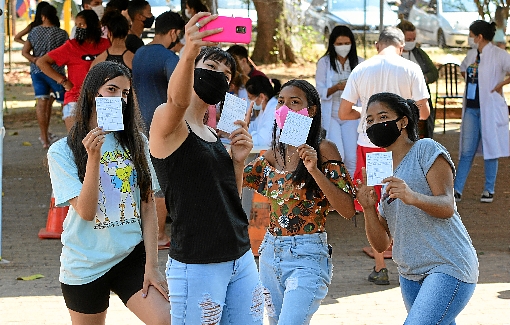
(487, 197)
(380, 277)
(457, 196)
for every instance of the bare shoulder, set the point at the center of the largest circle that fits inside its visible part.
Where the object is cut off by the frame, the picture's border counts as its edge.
(329, 151)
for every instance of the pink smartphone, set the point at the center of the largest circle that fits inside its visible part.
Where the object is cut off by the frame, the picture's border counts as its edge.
(235, 30)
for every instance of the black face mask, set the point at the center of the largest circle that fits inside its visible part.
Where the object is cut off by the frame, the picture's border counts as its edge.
(80, 34)
(384, 134)
(147, 23)
(211, 86)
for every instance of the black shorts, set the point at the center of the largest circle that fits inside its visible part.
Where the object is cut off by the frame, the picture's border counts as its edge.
(125, 279)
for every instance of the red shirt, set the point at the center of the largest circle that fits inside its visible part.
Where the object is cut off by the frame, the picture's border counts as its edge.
(78, 59)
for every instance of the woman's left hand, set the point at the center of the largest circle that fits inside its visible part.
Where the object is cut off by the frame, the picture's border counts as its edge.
(241, 142)
(309, 157)
(153, 277)
(398, 189)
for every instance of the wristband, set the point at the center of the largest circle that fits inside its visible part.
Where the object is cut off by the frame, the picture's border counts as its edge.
(63, 81)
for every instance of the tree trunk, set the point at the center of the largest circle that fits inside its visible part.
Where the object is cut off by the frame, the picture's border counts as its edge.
(268, 13)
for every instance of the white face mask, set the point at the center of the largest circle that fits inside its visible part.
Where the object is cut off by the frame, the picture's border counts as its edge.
(187, 13)
(471, 42)
(257, 107)
(343, 50)
(99, 10)
(409, 46)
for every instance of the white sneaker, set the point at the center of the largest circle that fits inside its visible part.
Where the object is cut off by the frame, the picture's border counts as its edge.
(487, 197)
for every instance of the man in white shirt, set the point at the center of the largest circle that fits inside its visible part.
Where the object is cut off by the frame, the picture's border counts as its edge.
(385, 72)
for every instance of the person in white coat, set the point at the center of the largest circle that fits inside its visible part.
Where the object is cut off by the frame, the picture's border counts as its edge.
(263, 94)
(485, 112)
(333, 69)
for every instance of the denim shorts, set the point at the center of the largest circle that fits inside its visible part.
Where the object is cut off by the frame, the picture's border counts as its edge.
(44, 86)
(68, 110)
(296, 270)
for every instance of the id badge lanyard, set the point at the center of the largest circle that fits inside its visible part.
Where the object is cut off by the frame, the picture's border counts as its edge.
(473, 80)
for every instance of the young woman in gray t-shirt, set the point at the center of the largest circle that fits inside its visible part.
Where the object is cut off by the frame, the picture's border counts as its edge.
(436, 260)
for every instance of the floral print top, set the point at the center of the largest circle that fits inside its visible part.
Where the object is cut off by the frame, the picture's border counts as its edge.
(295, 210)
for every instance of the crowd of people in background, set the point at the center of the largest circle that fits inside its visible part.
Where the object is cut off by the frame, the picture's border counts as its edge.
(170, 165)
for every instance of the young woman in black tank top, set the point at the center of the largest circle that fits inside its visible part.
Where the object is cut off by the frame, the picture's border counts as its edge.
(211, 270)
(118, 27)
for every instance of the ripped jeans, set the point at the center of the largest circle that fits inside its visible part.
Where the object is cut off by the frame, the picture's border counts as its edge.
(297, 271)
(215, 293)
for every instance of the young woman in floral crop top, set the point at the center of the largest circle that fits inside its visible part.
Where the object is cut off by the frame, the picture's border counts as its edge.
(302, 183)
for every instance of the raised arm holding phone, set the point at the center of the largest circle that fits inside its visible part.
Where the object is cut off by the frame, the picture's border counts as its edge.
(202, 185)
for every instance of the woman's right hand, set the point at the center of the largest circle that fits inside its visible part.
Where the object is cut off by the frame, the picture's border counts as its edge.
(365, 195)
(193, 34)
(93, 142)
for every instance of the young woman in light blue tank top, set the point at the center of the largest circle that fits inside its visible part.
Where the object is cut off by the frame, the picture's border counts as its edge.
(436, 260)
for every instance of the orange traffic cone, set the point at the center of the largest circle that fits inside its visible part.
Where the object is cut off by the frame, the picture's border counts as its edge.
(54, 224)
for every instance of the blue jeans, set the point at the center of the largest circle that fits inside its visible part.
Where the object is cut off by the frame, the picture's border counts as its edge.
(471, 136)
(297, 271)
(215, 293)
(437, 299)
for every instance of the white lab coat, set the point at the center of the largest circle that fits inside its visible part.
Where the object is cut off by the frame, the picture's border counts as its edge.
(494, 65)
(261, 129)
(323, 81)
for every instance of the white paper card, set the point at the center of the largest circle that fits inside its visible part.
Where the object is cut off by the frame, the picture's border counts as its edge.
(109, 113)
(295, 130)
(234, 108)
(379, 166)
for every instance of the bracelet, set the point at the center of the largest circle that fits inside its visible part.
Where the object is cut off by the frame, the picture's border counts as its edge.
(63, 81)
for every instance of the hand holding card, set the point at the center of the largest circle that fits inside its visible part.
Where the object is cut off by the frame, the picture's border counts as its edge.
(296, 128)
(109, 113)
(379, 166)
(234, 109)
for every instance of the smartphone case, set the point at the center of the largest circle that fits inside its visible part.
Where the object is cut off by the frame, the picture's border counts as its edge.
(235, 30)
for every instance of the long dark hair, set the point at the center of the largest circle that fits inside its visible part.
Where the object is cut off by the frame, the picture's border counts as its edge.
(93, 26)
(50, 13)
(38, 15)
(341, 30)
(131, 138)
(402, 107)
(482, 27)
(262, 85)
(301, 174)
(116, 23)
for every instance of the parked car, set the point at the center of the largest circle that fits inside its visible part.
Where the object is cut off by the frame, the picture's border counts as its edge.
(324, 15)
(444, 23)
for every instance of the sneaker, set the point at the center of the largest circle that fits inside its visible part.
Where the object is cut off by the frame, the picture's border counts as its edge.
(380, 277)
(487, 197)
(457, 196)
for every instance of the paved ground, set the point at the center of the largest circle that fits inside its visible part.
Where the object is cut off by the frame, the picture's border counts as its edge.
(351, 299)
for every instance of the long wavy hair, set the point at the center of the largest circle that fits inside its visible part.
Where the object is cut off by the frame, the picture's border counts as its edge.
(341, 30)
(301, 174)
(402, 107)
(131, 138)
